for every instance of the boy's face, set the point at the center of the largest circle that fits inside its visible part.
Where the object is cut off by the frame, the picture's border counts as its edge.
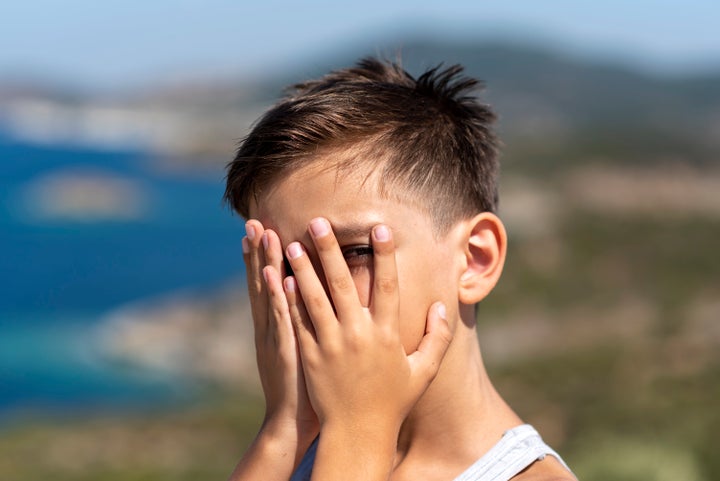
(428, 268)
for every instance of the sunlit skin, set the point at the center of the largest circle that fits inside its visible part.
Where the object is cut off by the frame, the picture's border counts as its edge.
(353, 208)
(432, 433)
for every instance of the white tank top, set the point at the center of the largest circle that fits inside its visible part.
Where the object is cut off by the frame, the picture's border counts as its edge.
(517, 449)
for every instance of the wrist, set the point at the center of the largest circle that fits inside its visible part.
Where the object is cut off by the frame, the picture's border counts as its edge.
(365, 449)
(366, 436)
(380, 426)
(288, 434)
(272, 455)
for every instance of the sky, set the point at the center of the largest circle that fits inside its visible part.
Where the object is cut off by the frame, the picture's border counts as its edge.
(109, 44)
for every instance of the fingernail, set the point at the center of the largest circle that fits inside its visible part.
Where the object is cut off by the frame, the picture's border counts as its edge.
(289, 284)
(441, 311)
(319, 227)
(294, 250)
(382, 233)
(265, 240)
(250, 229)
(264, 274)
(245, 245)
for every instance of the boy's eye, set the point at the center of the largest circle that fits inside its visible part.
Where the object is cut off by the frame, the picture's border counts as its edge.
(358, 256)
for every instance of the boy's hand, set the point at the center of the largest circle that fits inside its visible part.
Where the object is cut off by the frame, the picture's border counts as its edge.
(362, 384)
(289, 417)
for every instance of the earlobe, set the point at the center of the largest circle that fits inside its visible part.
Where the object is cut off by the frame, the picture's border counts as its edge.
(485, 245)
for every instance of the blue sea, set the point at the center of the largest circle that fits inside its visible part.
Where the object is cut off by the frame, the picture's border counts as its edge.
(60, 276)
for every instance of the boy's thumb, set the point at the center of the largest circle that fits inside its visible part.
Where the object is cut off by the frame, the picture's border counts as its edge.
(434, 344)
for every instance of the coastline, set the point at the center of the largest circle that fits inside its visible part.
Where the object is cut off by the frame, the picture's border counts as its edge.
(140, 356)
(206, 338)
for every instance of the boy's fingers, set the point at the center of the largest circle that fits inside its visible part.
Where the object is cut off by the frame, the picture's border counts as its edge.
(279, 322)
(304, 331)
(254, 263)
(273, 251)
(425, 362)
(310, 289)
(337, 275)
(384, 300)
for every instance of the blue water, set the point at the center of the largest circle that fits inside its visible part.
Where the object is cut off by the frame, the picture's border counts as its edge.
(58, 278)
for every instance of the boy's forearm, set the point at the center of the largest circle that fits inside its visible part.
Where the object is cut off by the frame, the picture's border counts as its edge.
(347, 452)
(273, 455)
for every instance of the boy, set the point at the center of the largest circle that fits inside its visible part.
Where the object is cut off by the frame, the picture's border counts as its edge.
(371, 236)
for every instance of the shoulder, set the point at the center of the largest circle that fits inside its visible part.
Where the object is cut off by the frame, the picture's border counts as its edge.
(548, 469)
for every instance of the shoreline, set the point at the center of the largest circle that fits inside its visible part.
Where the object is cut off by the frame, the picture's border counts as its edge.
(202, 337)
(161, 351)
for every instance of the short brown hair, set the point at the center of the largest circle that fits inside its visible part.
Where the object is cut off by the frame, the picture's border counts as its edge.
(428, 135)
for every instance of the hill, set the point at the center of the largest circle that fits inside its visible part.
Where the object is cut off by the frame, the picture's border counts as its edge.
(543, 98)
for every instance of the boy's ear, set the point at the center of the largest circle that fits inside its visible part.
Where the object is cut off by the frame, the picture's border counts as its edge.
(485, 248)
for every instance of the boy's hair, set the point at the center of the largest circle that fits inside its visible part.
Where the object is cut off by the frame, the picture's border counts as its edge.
(427, 136)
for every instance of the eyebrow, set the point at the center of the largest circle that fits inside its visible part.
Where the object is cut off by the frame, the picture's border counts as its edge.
(353, 230)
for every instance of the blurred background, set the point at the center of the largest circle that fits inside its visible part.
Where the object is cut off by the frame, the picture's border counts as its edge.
(125, 345)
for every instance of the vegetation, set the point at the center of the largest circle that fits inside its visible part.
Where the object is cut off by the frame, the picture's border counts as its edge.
(634, 402)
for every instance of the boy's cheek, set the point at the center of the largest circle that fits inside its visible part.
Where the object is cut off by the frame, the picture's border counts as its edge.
(412, 326)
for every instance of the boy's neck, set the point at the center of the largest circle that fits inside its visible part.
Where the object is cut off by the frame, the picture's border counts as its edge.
(460, 406)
